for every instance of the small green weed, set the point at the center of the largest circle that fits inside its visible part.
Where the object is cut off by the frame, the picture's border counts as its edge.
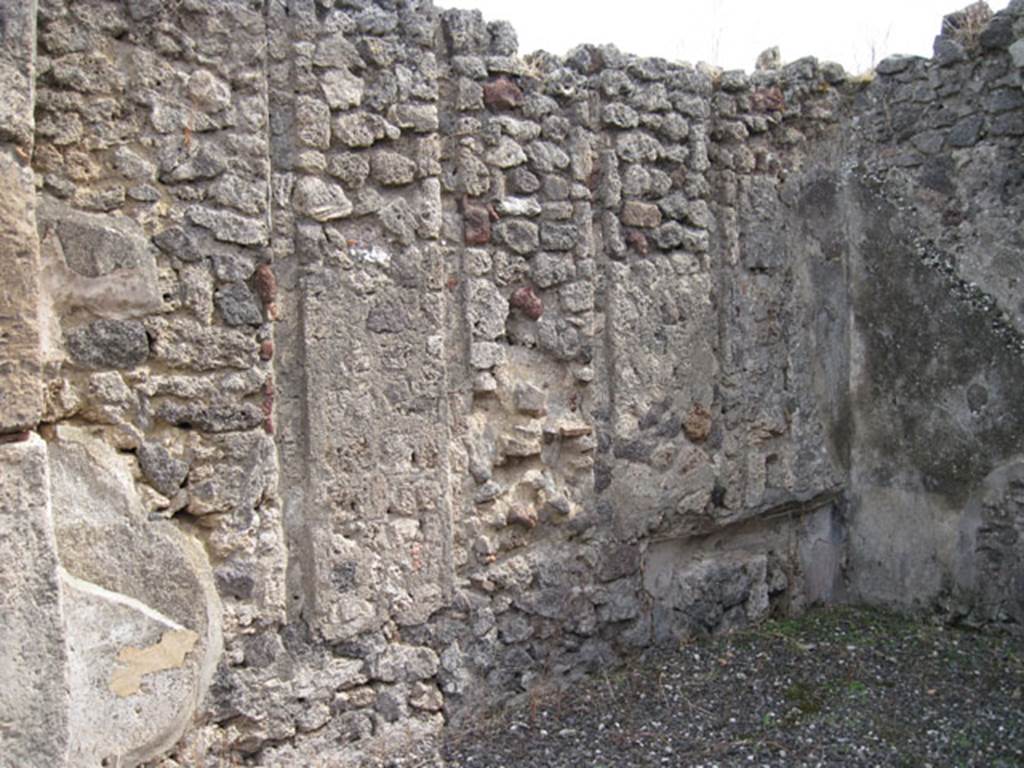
(805, 697)
(856, 688)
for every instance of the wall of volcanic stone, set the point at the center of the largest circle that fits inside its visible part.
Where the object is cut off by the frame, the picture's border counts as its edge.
(938, 313)
(357, 372)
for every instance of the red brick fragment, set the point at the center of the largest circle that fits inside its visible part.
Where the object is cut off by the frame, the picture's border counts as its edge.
(266, 288)
(768, 100)
(266, 284)
(638, 242)
(527, 302)
(502, 94)
(477, 220)
(523, 515)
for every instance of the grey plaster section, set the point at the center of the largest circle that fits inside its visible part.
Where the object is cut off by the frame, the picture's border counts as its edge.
(925, 433)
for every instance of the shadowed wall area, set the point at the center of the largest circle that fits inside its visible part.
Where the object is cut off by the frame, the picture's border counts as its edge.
(356, 372)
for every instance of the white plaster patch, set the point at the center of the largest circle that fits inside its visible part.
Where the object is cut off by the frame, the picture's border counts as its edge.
(371, 255)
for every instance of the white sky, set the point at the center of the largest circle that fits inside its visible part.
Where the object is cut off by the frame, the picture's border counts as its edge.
(729, 33)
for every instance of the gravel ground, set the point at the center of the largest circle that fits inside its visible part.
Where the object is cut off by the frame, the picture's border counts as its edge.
(834, 688)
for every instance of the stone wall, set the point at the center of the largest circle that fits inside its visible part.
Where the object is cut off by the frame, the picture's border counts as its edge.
(936, 330)
(358, 372)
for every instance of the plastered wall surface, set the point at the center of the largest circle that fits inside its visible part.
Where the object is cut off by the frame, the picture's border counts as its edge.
(357, 372)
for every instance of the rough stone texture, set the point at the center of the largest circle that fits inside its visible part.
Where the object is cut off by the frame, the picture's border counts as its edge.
(34, 656)
(237, 305)
(164, 472)
(20, 356)
(109, 344)
(20, 353)
(988, 554)
(423, 371)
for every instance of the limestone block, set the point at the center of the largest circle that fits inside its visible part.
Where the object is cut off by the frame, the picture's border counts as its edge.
(20, 384)
(17, 72)
(577, 297)
(320, 200)
(97, 262)
(184, 343)
(33, 650)
(530, 400)
(399, 220)
(520, 443)
(163, 471)
(179, 243)
(392, 169)
(474, 177)
(341, 88)
(405, 663)
(243, 194)
(337, 51)
(209, 92)
(231, 473)
(507, 154)
(362, 129)
(130, 675)
(142, 615)
(486, 354)
(419, 118)
(486, 310)
(350, 168)
(518, 206)
(94, 245)
(20, 393)
(548, 270)
(429, 209)
(230, 227)
(546, 157)
(214, 417)
(312, 123)
(620, 116)
(523, 181)
(202, 161)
